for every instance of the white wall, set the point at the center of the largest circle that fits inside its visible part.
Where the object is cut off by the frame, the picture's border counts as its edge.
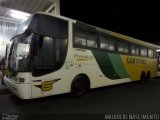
(7, 31)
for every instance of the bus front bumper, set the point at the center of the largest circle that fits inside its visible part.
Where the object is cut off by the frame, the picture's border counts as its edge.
(22, 90)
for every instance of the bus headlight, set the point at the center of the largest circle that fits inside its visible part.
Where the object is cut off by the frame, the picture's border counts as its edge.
(19, 80)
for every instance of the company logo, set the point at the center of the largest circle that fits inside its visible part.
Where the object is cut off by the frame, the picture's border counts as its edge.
(136, 60)
(82, 57)
(47, 85)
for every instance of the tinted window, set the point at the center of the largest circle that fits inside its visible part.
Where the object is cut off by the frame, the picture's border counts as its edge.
(123, 46)
(104, 43)
(92, 40)
(112, 44)
(80, 37)
(46, 46)
(107, 43)
(134, 49)
(120, 47)
(49, 52)
(52, 26)
(23, 26)
(150, 53)
(45, 25)
(60, 52)
(143, 51)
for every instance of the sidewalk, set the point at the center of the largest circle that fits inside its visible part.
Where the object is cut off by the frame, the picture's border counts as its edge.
(4, 90)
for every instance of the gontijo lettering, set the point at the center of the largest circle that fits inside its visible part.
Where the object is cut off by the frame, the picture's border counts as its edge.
(136, 60)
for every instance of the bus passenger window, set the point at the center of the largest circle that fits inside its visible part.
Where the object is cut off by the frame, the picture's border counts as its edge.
(120, 47)
(123, 46)
(92, 40)
(112, 44)
(107, 43)
(104, 43)
(143, 51)
(126, 48)
(150, 53)
(134, 49)
(80, 37)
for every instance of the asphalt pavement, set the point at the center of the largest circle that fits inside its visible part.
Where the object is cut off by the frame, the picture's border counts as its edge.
(132, 98)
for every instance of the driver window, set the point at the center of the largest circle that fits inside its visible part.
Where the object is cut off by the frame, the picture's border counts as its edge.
(46, 46)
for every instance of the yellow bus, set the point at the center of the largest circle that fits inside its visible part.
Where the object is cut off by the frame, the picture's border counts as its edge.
(52, 54)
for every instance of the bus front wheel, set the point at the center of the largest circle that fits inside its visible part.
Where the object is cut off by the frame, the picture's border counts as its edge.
(79, 86)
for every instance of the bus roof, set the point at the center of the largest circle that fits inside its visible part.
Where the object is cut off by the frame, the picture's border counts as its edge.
(114, 34)
(124, 37)
(51, 14)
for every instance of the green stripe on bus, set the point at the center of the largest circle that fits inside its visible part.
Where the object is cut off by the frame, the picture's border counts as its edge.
(118, 65)
(105, 65)
(111, 65)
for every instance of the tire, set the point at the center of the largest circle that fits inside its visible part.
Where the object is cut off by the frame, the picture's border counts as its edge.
(143, 78)
(79, 86)
(148, 76)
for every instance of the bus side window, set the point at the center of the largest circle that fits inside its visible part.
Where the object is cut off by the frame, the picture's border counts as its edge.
(122, 46)
(143, 51)
(107, 43)
(104, 43)
(134, 49)
(150, 53)
(112, 44)
(92, 40)
(80, 37)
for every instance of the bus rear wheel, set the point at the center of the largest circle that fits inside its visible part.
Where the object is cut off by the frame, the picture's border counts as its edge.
(148, 76)
(79, 86)
(143, 77)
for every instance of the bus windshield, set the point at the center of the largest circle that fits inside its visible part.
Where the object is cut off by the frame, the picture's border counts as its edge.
(22, 27)
(41, 40)
(19, 52)
(30, 23)
(44, 25)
